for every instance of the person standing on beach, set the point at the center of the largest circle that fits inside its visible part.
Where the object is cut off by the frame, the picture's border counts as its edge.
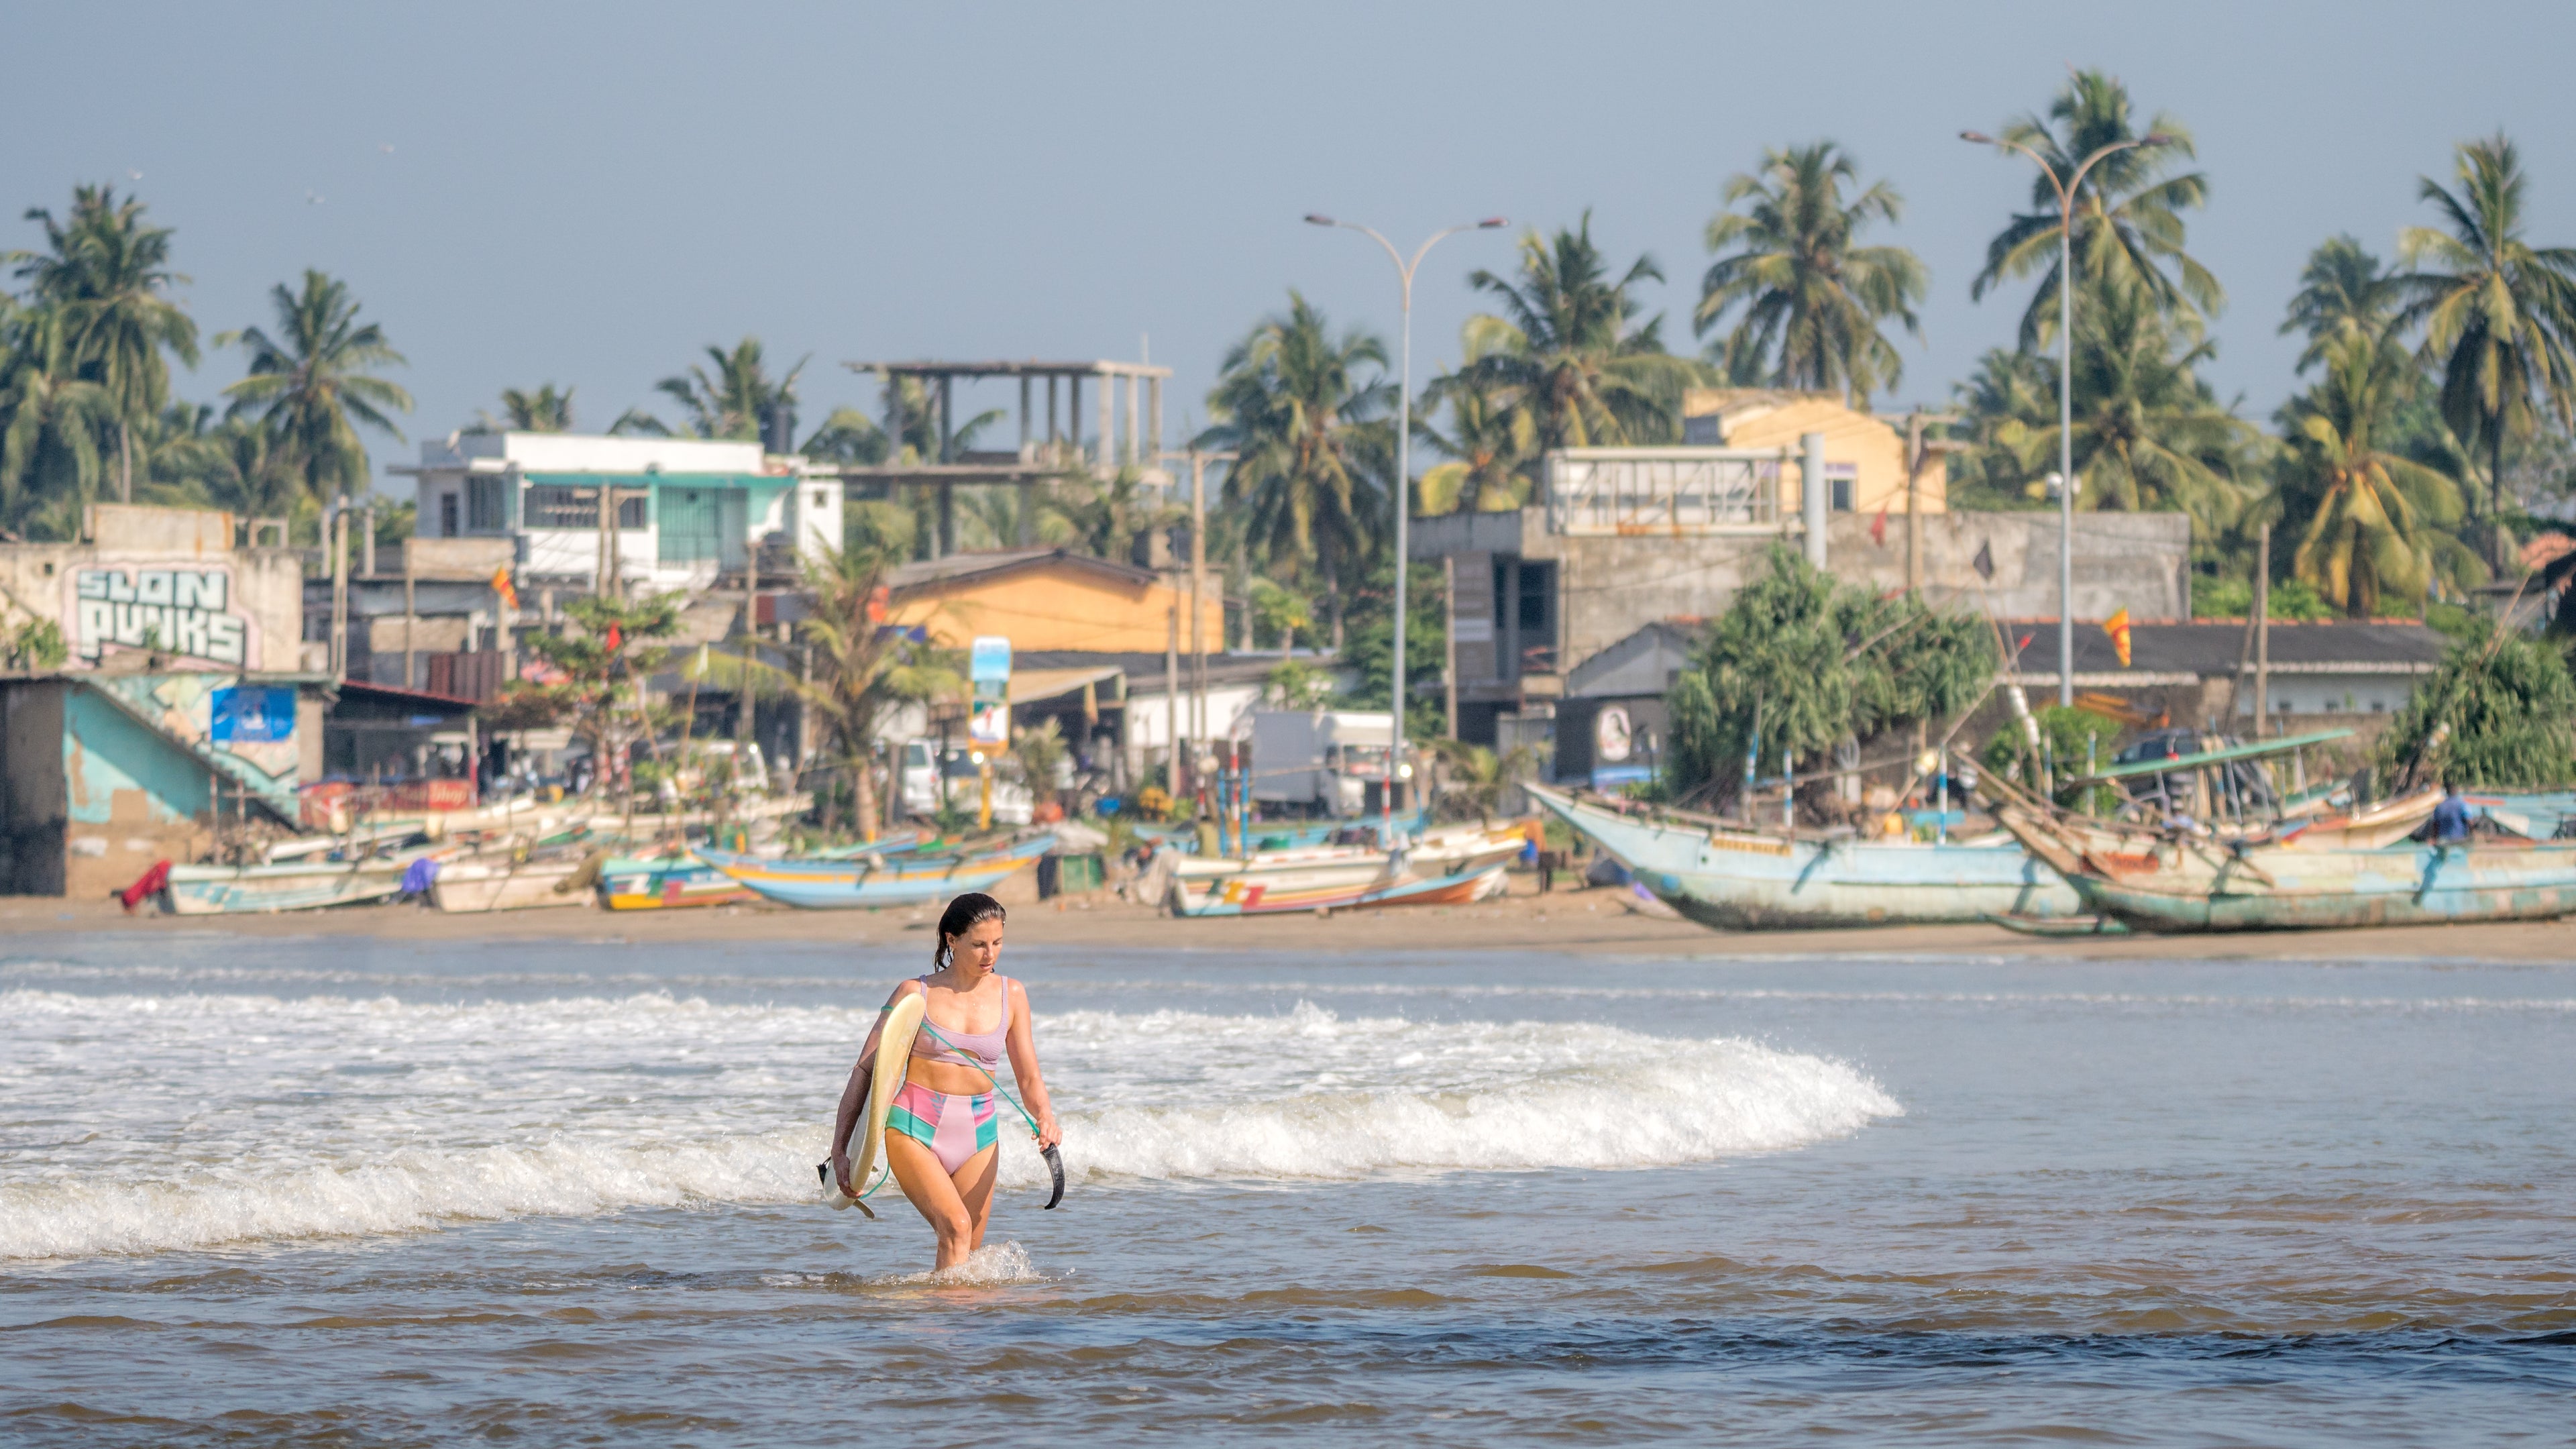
(941, 1132)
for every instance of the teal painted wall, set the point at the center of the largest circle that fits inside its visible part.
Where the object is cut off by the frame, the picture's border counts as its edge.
(105, 751)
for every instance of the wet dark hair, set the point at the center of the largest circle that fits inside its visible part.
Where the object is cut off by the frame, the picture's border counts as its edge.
(964, 914)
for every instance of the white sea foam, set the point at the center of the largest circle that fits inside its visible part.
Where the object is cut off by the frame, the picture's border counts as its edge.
(152, 1123)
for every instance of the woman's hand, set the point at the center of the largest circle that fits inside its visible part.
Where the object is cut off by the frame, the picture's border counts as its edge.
(841, 1173)
(1049, 1135)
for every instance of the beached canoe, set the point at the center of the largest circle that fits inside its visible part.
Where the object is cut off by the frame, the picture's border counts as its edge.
(1257, 893)
(1743, 880)
(666, 883)
(209, 890)
(474, 886)
(825, 885)
(2183, 884)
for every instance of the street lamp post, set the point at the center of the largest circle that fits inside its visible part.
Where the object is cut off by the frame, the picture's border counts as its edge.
(1404, 271)
(2066, 190)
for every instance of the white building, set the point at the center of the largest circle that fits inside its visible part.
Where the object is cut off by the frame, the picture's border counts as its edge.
(687, 510)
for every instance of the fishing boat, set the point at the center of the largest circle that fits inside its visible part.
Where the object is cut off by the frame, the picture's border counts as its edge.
(472, 886)
(210, 890)
(2533, 815)
(2173, 881)
(2227, 794)
(667, 883)
(1321, 887)
(824, 885)
(1286, 835)
(1720, 875)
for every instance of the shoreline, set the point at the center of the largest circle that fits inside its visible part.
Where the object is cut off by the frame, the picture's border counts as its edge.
(1583, 922)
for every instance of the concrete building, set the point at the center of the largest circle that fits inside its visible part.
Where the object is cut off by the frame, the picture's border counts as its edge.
(183, 716)
(686, 510)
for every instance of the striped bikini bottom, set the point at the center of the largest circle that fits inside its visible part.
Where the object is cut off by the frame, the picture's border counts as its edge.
(954, 1126)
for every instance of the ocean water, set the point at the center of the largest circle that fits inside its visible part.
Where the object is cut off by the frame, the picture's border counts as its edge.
(377, 1192)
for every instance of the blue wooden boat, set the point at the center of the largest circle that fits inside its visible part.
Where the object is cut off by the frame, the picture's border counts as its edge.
(2535, 815)
(1744, 880)
(2172, 882)
(896, 880)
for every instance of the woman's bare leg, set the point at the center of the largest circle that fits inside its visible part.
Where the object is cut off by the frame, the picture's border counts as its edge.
(974, 1184)
(916, 1170)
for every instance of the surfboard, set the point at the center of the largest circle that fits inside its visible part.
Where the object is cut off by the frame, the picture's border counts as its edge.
(885, 1078)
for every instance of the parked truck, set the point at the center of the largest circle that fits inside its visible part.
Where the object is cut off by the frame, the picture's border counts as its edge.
(1324, 760)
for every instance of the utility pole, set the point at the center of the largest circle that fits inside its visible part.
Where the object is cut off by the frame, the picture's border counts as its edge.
(2262, 629)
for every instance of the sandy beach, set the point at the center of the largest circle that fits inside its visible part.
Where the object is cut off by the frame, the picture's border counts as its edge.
(1577, 921)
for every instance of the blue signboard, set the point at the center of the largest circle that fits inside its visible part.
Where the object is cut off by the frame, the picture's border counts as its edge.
(989, 659)
(246, 715)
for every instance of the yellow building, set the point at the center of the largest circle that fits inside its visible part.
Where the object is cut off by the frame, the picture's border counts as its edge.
(1865, 455)
(1051, 600)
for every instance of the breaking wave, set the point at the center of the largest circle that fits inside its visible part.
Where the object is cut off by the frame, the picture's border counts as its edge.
(150, 1124)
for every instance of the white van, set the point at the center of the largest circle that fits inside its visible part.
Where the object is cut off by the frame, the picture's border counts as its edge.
(927, 779)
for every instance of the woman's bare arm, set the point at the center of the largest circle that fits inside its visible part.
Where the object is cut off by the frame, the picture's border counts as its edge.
(854, 1096)
(1023, 1045)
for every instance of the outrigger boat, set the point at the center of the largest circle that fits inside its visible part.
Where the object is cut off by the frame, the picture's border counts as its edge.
(473, 886)
(824, 885)
(668, 883)
(1720, 874)
(2177, 876)
(1241, 896)
(1446, 867)
(209, 890)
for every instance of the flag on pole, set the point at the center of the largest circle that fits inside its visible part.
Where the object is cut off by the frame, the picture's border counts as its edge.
(501, 585)
(2117, 626)
(1878, 529)
(1984, 562)
(616, 640)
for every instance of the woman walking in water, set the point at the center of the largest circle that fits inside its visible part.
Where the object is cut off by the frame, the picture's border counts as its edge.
(940, 1130)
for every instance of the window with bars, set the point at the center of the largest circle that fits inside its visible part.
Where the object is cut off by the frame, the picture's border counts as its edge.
(555, 506)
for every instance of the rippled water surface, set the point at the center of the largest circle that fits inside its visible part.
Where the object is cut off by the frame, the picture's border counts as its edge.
(373, 1192)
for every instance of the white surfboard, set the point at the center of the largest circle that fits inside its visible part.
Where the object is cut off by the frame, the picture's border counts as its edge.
(885, 1078)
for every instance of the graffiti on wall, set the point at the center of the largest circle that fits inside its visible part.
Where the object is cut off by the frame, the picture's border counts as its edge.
(182, 611)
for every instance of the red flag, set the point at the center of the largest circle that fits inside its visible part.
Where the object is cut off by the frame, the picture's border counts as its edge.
(2117, 626)
(616, 640)
(1878, 529)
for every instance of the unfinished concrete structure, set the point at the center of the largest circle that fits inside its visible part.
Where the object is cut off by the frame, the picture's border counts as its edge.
(1045, 455)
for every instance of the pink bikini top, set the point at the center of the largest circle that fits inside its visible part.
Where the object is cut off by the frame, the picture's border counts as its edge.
(978, 1049)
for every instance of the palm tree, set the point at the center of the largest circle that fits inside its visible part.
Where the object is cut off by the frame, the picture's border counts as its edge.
(2499, 315)
(50, 422)
(2149, 434)
(1491, 442)
(306, 386)
(2343, 294)
(731, 402)
(847, 436)
(2374, 518)
(1313, 443)
(2128, 217)
(108, 272)
(1105, 517)
(1813, 302)
(2010, 392)
(862, 671)
(1568, 342)
(545, 410)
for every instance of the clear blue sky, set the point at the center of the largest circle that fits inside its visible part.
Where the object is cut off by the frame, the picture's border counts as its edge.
(589, 195)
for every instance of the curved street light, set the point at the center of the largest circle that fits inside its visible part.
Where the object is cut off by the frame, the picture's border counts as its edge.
(1404, 271)
(2066, 192)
